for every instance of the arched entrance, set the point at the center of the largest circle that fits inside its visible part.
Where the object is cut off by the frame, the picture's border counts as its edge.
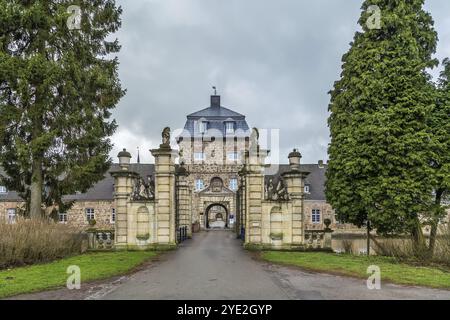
(216, 216)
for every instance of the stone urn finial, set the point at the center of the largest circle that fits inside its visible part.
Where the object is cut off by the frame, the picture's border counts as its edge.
(327, 223)
(294, 159)
(124, 159)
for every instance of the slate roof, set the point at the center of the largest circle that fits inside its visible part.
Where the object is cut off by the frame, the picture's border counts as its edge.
(216, 115)
(104, 189)
(215, 112)
(315, 179)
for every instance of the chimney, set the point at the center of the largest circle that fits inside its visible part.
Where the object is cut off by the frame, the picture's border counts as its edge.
(215, 101)
(321, 164)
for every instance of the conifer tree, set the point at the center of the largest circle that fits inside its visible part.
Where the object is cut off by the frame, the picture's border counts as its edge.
(440, 128)
(380, 151)
(58, 85)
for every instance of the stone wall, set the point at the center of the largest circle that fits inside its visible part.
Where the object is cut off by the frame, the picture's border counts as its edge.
(326, 212)
(215, 150)
(76, 216)
(103, 210)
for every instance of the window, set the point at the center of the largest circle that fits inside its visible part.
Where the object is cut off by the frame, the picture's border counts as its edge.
(90, 214)
(233, 184)
(3, 189)
(202, 126)
(315, 217)
(199, 156)
(113, 215)
(11, 215)
(62, 217)
(229, 127)
(307, 188)
(233, 156)
(198, 184)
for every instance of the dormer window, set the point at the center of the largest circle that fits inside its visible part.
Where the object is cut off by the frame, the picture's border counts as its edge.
(202, 126)
(229, 127)
(307, 188)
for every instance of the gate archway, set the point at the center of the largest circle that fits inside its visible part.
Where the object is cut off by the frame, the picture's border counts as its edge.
(216, 212)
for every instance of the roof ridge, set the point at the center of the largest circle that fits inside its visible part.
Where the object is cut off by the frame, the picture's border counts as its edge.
(216, 112)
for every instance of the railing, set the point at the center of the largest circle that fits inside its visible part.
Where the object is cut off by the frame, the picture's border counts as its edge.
(182, 234)
(314, 239)
(100, 239)
(242, 234)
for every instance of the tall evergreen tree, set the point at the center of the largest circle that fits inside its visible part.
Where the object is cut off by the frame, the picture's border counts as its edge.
(379, 168)
(58, 85)
(440, 128)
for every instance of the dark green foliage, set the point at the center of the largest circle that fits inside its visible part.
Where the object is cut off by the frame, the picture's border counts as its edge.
(439, 122)
(381, 146)
(57, 89)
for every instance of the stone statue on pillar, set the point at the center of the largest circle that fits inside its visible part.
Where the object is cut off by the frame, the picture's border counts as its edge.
(165, 138)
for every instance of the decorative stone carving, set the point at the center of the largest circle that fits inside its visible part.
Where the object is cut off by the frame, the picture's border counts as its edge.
(276, 192)
(166, 137)
(143, 190)
(216, 184)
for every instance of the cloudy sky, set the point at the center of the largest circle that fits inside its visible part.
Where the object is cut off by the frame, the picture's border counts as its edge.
(272, 60)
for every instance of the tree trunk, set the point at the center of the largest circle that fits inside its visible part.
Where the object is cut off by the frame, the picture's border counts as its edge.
(368, 238)
(418, 240)
(37, 178)
(36, 190)
(435, 222)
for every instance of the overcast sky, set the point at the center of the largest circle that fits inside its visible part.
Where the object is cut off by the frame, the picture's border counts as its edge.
(271, 60)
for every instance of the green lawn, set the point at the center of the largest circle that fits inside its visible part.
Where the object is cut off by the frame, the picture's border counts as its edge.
(356, 266)
(93, 266)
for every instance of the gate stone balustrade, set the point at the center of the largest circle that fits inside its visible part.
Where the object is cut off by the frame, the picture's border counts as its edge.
(100, 239)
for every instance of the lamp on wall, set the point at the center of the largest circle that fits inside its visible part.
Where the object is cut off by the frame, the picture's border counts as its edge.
(294, 160)
(124, 159)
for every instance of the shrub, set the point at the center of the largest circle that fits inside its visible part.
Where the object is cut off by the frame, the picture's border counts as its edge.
(442, 250)
(404, 250)
(347, 245)
(35, 241)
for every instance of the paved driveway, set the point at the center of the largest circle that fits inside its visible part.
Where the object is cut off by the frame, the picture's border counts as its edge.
(213, 265)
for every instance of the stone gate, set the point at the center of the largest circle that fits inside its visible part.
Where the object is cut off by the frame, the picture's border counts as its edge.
(268, 214)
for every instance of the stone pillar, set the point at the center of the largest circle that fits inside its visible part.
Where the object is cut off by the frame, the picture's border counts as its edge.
(294, 180)
(165, 194)
(254, 191)
(123, 187)
(184, 200)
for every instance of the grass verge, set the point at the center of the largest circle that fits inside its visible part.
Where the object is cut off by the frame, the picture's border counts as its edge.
(93, 266)
(356, 266)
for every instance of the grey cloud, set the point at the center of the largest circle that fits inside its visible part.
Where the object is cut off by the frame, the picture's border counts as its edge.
(273, 61)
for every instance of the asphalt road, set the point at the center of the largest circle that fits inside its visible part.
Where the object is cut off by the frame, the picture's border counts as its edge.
(213, 265)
